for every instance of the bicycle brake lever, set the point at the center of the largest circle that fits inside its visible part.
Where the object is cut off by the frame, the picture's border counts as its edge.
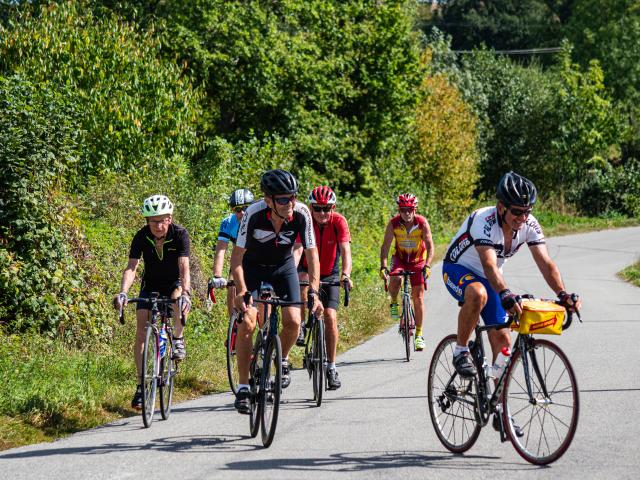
(574, 299)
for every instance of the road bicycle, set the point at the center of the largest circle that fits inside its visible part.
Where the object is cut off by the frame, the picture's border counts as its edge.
(407, 316)
(159, 367)
(230, 342)
(315, 347)
(265, 369)
(535, 403)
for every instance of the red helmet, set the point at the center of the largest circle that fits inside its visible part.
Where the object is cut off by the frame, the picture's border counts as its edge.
(407, 200)
(322, 195)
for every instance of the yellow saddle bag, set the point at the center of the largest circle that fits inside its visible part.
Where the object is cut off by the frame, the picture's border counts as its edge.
(540, 317)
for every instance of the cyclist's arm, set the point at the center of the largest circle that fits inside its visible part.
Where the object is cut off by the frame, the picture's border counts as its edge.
(236, 268)
(489, 261)
(297, 252)
(129, 274)
(386, 245)
(218, 260)
(547, 267)
(185, 273)
(345, 253)
(313, 263)
(428, 240)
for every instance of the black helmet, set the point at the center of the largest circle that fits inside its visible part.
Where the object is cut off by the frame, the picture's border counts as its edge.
(278, 182)
(240, 197)
(514, 189)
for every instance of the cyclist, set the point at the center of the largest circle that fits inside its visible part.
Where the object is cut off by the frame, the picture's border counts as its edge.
(472, 267)
(164, 247)
(414, 252)
(333, 238)
(239, 201)
(263, 252)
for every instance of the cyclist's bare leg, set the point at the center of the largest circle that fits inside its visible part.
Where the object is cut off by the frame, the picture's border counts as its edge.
(290, 328)
(142, 316)
(498, 339)
(177, 323)
(394, 288)
(331, 333)
(475, 298)
(417, 294)
(231, 293)
(244, 344)
(304, 277)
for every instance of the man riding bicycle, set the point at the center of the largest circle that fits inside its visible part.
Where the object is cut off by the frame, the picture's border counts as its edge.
(239, 201)
(164, 247)
(472, 267)
(263, 252)
(333, 238)
(413, 252)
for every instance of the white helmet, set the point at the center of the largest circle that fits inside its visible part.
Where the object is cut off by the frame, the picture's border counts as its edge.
(157, 205)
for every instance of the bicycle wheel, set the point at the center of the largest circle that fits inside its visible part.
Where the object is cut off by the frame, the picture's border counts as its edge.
(541, 426)
(270, 397)
(406, 326)
(452, 400)
(150, 368)
(254, 387)
(168, 373)
(317, 354)
(230, 344)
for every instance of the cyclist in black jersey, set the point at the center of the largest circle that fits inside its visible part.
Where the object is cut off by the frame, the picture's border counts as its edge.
(263, 252)
(164, 246)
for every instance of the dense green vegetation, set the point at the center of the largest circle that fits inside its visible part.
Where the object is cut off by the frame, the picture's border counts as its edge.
(104, 103)
(632, 274)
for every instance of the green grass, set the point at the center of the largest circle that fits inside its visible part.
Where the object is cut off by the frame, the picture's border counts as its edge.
(632, 274)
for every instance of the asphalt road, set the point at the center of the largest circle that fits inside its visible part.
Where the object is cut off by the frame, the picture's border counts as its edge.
(377, 425)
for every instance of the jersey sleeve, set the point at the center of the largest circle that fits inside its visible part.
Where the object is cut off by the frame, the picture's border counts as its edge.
(241, 241)
(184, 244)
(136, 246)
(224, 234)
(480, 231)
(342, 230)
(535, 236)
(307, 236)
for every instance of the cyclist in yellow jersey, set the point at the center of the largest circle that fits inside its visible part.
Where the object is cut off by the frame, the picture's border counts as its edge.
(414, 252)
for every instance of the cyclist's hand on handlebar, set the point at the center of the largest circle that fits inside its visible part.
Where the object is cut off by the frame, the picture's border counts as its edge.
(571, 301)
(241, 303)
(120, 301)
(315, 305)
(427, 271)
(348, 280)
(384, 273)
(510, 302)
(218, 282)
(185, 303)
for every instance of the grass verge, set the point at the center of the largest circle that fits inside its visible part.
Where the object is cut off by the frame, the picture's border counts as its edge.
(632, 274)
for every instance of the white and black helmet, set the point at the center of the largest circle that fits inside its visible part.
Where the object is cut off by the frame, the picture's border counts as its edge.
(240, 198)
(156, 205)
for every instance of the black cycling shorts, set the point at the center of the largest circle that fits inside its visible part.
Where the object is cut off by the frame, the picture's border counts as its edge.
(283, 278)
(164, 292)
(330, 296)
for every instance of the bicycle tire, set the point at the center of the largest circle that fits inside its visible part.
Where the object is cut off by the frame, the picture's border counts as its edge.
(541, 431)
(168, 372)
(270, 396)
(232, 359)
(452, 401)
(406, 327)
(317, 356)
(254, 387)
(150, 366)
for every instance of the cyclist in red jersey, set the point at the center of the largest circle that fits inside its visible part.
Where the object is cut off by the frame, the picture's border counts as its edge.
(413, 251)
(333, 240)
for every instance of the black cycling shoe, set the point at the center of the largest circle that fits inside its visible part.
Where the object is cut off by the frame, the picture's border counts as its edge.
(333, 380)
(242, 400)
(286, 377)
(137, 398)
(496, 426)
(463, 364)
(301, 335)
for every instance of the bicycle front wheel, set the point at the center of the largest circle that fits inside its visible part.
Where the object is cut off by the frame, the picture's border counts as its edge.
(406, 326)
(452, 400)
(541, 403)
(230, 344)
(317, 355)
(270, 395)
(168, 373)
(150, 369)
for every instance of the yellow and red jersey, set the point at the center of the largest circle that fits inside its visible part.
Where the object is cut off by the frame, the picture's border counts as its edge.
(410, 247)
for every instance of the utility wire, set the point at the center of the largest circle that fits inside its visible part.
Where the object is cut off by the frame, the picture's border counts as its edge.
(526, 51)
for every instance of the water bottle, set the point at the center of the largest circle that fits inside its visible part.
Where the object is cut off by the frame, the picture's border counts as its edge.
(163, 341)
(502, 360)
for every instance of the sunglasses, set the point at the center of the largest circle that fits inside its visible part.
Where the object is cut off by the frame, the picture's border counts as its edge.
(407, 210)
(285, 200)
(322, 209)
(160, 222)
(240, 209)
(517, 212)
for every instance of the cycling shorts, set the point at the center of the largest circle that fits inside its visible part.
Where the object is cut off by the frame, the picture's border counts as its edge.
(283, 278)
(417, 278)
(164, 292)
(330, 295)
(456, 278)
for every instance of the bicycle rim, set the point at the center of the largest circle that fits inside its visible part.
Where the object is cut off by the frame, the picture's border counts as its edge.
(232, 364)
(452, 400)
(168, 369)
(318, 362)
(254, 386)
(270, 397)
(150, 360)
(406, 327)
(541, 428)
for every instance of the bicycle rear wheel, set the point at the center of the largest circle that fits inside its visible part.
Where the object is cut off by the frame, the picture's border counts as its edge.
(541, 426)
(254, 387)
(230, 344)
(406, 326)
(452, 400)
(270, 396)
(317, 355)
(168, 373)
(150, 370)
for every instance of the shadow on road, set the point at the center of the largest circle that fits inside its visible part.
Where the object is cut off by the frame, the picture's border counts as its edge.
(363, 461)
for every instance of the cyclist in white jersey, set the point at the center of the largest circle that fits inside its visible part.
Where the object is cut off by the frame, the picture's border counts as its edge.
(472, 267)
